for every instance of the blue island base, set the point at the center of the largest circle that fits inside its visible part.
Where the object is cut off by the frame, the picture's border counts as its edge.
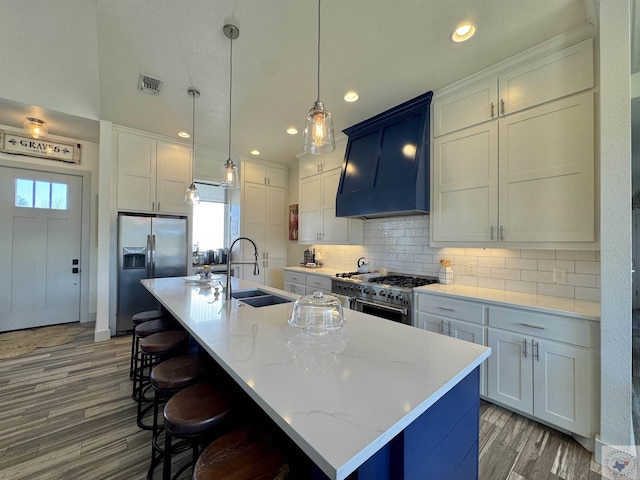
(441, 444)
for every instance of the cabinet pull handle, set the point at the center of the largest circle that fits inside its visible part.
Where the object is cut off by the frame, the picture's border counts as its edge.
(441, 327)
(492, 109)
(501, 232)
(446, 309)
(502, 105)
(268, 180)
(525, 348)
(266, 255)
(536, 346)
(318, 168)
(158, 206)
(153, 206)
(492, 232)
(449, 329)
(532, 326)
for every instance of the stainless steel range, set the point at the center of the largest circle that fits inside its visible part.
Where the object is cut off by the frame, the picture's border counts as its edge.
(389, 296)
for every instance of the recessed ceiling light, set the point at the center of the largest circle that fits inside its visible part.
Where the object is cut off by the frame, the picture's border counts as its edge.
(351, 97)
(255, 152)
(463, 32)
(292, 131)
(184, 134)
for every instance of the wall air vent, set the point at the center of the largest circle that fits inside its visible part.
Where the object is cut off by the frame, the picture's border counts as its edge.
(149, 84)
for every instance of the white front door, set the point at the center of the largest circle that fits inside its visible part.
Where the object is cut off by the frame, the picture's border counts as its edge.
(40, 238)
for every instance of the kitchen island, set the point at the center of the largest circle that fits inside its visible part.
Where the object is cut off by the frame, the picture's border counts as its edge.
(386, 400)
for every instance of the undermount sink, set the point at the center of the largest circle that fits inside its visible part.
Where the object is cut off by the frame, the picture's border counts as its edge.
(259, 298)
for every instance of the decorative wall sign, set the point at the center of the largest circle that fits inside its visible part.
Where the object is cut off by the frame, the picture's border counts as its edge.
(17, 144)
(293, 222)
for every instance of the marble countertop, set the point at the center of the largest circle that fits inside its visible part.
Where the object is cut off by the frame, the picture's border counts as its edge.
(539, 303)
(339, 396)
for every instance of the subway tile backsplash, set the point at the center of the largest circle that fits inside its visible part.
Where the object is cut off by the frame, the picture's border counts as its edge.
(401, 244)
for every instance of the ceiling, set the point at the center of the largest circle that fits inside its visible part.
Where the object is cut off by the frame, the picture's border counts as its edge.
(387, 51)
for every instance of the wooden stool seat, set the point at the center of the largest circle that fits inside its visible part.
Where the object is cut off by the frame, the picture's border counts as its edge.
(163, 342)
(137, 319)
(194, 415)
(153, 326)
(175, 373)
(241, 455)
(140, 317)
(195, 410)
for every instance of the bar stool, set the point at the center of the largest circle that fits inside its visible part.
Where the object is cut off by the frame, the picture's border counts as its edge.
(167, 378)
(143, 330)
(137, 319)
(241, 455)
(154, 349)
(194, 414)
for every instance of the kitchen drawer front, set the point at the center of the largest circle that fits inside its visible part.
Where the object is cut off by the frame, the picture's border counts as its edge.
(294, 277)
(450, 307)
(320, 282)
(552, 327)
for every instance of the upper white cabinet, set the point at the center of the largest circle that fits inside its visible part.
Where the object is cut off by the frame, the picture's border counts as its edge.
(518, 169)
(263, 217)
(317, 221)
(152, 175)
(522, 84)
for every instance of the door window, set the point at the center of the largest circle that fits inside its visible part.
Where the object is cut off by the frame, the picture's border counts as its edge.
(31, 193)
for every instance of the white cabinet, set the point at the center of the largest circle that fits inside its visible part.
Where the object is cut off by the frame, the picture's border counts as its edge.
(264, 220)
(455, 318)
(152, 175)
(544, 365)
(492, 165)
(523, 82)
(306, 284)
(317, 221)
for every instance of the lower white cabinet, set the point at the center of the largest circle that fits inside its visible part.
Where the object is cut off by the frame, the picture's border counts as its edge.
(543, 365)
(471, 329)
(306, 284)
(546, 379)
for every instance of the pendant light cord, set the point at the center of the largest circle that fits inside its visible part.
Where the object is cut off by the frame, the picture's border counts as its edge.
(230, 85)
(193, 137)
(318, 50)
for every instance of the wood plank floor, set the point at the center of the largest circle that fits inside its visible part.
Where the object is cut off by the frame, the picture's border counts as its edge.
(66, 413)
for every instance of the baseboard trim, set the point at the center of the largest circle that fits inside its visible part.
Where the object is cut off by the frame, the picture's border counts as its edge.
(102, 335)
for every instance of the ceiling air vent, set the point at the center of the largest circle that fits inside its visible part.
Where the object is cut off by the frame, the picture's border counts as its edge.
(149, 84)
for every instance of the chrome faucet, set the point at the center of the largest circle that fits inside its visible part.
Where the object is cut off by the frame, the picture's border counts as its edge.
(256, 269)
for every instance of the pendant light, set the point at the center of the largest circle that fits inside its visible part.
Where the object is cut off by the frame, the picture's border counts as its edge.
(191, 195)
(229, 171)
(318, 130)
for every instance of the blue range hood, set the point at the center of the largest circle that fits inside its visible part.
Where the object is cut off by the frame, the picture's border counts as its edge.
(386, 167)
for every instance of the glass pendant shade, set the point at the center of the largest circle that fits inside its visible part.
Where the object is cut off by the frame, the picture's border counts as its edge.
(35, 127)
(229, 175)
(318, 131)
(191, 195)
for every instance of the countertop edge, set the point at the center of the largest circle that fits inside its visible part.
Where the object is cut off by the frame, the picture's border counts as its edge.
(582, 309)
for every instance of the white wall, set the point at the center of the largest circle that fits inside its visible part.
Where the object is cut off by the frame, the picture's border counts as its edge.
(49, 55)
(615, 237)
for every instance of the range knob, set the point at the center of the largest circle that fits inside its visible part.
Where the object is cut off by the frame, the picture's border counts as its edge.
(382, 293)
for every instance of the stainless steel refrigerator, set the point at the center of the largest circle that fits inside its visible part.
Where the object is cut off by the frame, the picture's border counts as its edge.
(148, 247)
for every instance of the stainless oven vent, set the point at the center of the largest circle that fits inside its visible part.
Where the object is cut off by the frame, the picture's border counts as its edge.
(149, 84)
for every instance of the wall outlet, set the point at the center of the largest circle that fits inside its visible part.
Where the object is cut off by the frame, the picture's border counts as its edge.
(560, 276)
(471, 270)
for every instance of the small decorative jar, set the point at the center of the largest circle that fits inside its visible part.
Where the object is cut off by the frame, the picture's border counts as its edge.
(445, 275)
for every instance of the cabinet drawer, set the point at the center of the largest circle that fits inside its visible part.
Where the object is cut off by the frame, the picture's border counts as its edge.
(552, 327)
(318, 281)
(294, 277)
(449, 307)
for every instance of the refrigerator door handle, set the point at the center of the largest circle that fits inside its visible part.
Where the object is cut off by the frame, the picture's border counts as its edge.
(153, 256)
(149, 258)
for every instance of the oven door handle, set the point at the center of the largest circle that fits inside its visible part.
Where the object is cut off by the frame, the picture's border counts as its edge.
(400, 310)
